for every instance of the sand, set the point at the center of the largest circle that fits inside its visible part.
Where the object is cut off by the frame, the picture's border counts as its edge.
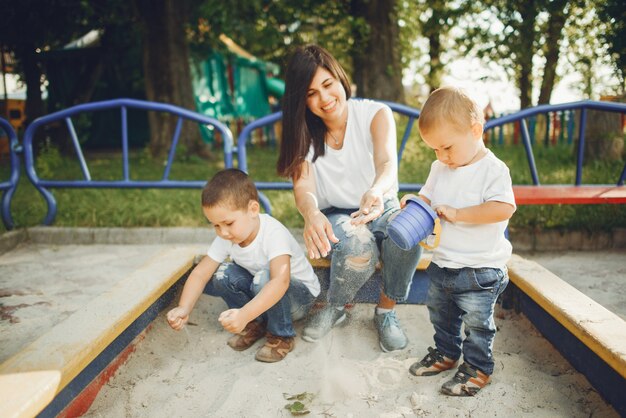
(195, 374)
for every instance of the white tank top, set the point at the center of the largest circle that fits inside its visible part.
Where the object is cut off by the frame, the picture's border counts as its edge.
(343, 176)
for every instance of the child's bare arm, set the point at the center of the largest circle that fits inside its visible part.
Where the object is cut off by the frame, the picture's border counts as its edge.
(235, 320)
(194, 286)
(485, 213)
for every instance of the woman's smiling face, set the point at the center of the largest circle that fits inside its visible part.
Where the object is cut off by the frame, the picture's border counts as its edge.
(326, 97)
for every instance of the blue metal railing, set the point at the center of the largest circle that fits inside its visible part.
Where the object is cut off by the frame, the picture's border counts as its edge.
(42, 186)
(413, 114)
(123, 104)
(583, 106)
(8, 187)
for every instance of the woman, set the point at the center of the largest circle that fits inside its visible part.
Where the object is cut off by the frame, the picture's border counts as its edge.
(341, 156)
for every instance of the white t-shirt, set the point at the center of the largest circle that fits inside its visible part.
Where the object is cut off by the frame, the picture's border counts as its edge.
(463, 244)
(343, 176)
(272, 240)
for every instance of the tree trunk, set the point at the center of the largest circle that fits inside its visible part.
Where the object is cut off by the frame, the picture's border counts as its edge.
(375, 54)
(167, 73)
(436, 67)
(32, 78)
(604, 138)
(558, 15)
(528, 12)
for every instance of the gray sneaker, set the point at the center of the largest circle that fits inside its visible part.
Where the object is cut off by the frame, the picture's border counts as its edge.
(390, 335)
(321, 322)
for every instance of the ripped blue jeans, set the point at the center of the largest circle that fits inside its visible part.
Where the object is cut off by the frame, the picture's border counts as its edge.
(237, 286)
(354, 257)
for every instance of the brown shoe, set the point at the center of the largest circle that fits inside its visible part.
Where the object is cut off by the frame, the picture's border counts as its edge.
(246, 338)
(275, 348)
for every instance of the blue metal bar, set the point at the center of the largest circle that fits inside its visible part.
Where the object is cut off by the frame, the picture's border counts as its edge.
(405, 138)
(245, 134)
(170, 157)
(581, 146)
(41, 185)
(9, 186)
(77, 147)
(265, 202)
(622, 177)
(125, 142)
(122, 184)
(529, 152)
(585, 104)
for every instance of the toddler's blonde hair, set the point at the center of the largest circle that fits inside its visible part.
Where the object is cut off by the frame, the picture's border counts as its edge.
(450, 105)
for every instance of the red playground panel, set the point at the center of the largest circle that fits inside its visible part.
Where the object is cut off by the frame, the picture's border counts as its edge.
(569, 195)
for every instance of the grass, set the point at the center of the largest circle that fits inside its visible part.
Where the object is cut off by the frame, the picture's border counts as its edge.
(181, 207)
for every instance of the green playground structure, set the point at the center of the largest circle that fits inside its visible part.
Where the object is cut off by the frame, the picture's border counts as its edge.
(235, 90)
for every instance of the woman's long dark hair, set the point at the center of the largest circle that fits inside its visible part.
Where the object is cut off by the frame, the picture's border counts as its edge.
(301, 127)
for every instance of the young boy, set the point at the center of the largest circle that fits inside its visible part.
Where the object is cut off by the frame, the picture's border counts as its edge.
(269, 282)
(470, 189)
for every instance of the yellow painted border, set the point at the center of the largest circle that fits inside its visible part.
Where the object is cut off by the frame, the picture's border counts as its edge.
(24, 395)
(598, 328)
(74, 343)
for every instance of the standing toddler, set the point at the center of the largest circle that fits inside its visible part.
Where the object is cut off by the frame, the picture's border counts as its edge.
(471, 191)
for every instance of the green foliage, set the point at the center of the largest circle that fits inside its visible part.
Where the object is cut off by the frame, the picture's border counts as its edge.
(614, 36)
(300, 404)
(269, 30)
(48, 160)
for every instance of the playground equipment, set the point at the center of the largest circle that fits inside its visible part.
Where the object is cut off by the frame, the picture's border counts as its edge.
(125, 182)
(235, 89)
(7, 187)
(532, 194)
(413, 224)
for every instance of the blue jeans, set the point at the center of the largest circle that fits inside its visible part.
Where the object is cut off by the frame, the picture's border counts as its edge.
(465, 296)
(354, 257)
(237, 287)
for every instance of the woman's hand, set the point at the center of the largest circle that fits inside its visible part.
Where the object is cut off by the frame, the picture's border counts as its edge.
(372, 206)
(178, 317)
(318, 232)
(233, 321)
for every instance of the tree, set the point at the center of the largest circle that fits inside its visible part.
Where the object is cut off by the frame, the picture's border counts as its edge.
(588, 53)
(558, 13)
(30, 27)
(614, 36)
(362, 35)
(167, 72)
(377, 65)
(434, 21)
(517, 34)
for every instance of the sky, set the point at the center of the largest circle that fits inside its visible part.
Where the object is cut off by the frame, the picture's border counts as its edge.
(491, 84)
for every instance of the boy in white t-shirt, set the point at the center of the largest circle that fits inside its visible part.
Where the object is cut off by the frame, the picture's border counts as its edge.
(471, 191)
(269, 282)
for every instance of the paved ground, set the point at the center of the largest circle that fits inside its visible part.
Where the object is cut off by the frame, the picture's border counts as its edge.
(53, 272)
